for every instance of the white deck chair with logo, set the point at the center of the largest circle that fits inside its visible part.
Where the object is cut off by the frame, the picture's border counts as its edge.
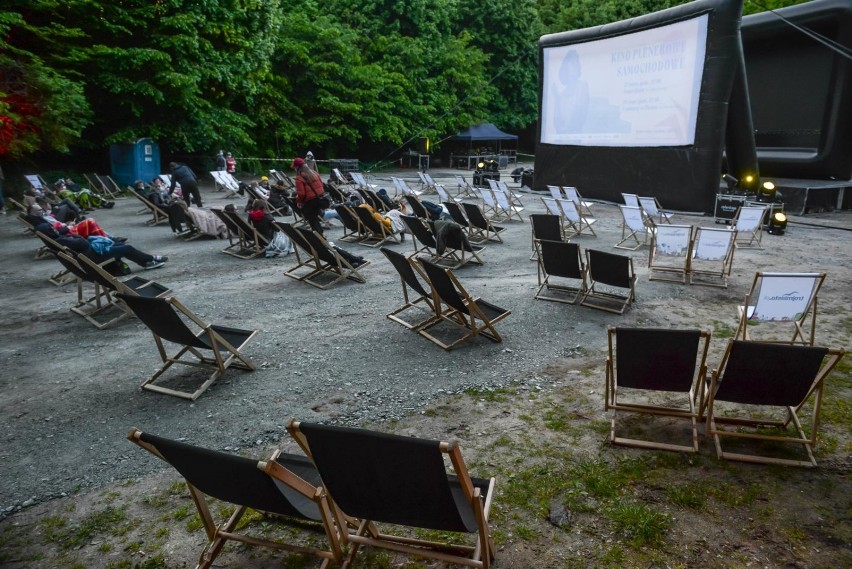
(572, 194)
(575, 222)
(748, 223)
(489, 204)
(505, 204)
(631, 199)
(652, 208)
(225, 181)
(634, 225)
(781, 299)
(404, 189)
(669, 256)
(465, 190)
(513, 197)
(556, 192)
(712, 255)
(444, 195)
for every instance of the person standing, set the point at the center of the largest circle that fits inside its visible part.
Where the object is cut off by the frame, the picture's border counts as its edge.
(310, 162)
(183, 175)
(310, 195)
(221, 163)
(230, 164)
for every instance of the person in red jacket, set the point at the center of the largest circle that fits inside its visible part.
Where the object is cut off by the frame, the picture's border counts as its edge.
(310, 195)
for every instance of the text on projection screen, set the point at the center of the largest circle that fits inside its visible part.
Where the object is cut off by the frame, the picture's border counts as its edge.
(638, 89)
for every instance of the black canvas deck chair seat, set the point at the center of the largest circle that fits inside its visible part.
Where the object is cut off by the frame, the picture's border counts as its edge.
(307, 264)
(544, 226)
(286, 488)
(114, 287)
(611, 281)
(655, 372)
(353, 231)
(758, 391)
(165, 317)
(376, 232)
(481, 227)
(417, 207)
(254, 194)
(454, 248)
(416, 294)
(109, 187)
(468, 317)
(86, 306)
(780, 301)
(653, 210)
(377, 478)
(636, 228)
(749, 225)
(233, 231)
(421, 236)
(298, 216)
(561, 272)
(457, 214)
(332, 266)
(158, 214)
(251, 242)
(711, 256)
(668, 259)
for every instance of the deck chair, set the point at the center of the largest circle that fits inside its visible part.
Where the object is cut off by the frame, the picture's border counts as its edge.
(165, 318)
(655, 372)
(556, 192)
(52, 248)
(342, 180)
(307, 264)
(563, 261)
(481, 227)
(417, 208)
(158, 214)
(506, 208)
(515, 198)
(13, 203)
(251, 243)
(489, 205)
(572, 194)
(286, 486)
(464, 189)
(233, 232)
(575, 224)
(633, 225)
(456, 212)
(421, 236)
(711, 256)
(353, 230)
(224, 182)
(468, 316)
(402, 188)
(760, 386)
(331, 266)
(427, 184)
(378, 478)
(453, 247)
(444, 196)
(668, 259)
(631, 200)
(376, 233)
(552, 208)
(782, 299)
(652, 209)
(84, 306)
(109, 187)
(298, 217)
(36, 182)
(749, 225)
(544, 226)
(611, 281)
(414, 293)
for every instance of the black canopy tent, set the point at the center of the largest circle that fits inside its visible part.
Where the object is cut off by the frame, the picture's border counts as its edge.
(481, 133)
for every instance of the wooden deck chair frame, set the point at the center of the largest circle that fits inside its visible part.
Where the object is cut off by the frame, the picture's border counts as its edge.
(330, 263)
(573, 194)
(115, 287)
(232, 230)
(470, 316)
(226, 182)
(16, 204)
(504, 209)
(426, 186)
(421, 237)
(654, 210)
(749, 225)
(481, 228)
(415, 293)
(670, 252)
(298, 217)
(564, 261)
(753, 383)
(100, 296)
(285, 486)
(458, 250)
(645, 363)
(353, 230)
(465, 190)
(514, 198)
(253, 195)
(544, 226)
(307, 264)
(404, 189)
(158, 214)
(611, 281)
(109, 187)
(782, 298)
(376, 233)
(579, 224)
(633, 223)
(165, 318)
(251, 242)
(711, 256)
(383, 493)
(417, 208)
(65, 276)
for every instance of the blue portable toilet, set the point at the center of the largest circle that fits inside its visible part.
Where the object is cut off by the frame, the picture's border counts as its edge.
(133, 161)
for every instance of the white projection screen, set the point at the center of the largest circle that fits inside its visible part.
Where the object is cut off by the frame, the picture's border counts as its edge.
(633, 90)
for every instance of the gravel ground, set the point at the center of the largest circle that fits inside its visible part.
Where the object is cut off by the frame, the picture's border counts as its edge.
(70, 392)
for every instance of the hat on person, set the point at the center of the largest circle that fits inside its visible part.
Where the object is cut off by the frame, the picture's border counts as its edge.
(309, 154)
(264, 179)
(298, 162)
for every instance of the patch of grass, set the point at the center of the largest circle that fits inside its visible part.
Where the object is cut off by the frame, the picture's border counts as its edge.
(111, 496)
(737, 494)
(639, 523)
(105, 547)
(53, 527)
(557, 419)
(525, 532)
(180, 512)
(687, 496)
(597, 477)
(194, 523)
(533, 487)
(503, 441)
(723, 330)
(430, 412)
(110, 521)
(498, 395)
(613, 557)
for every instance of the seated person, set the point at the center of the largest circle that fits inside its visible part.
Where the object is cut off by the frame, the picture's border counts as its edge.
(391, 220)
(157, 197)
(102, 248)
(83, 197)
(261, 219)
(63, 210)
(84, 228)
(277, 193)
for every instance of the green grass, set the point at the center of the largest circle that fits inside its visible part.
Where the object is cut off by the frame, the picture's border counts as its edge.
(687, 496)
(639, 523)
(498, 395)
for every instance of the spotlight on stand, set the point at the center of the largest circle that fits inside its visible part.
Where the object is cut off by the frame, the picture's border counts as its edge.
(747, 184)
(767, 192)
(731, 182)
(777, 223)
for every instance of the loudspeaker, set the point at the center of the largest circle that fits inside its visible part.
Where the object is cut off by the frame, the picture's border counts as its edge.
(423, 145)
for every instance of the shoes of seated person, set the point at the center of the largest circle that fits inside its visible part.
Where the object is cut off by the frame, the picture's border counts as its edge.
(156, 262)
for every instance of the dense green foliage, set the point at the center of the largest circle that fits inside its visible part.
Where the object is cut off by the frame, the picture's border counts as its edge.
(269, 78)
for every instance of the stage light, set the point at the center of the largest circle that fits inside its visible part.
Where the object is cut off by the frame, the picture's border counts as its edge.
(767, 192)
(731, 182)
(777, 223)
(480, 165)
